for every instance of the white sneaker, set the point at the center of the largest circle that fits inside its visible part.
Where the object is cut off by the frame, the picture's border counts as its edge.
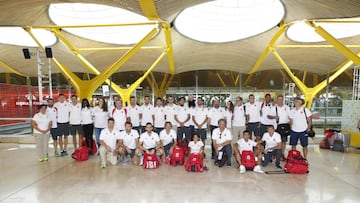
(242, 169)
(257, 169)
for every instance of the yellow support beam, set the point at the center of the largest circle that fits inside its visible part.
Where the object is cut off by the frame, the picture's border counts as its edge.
(104, 75)
(236, 81)
(126, 93)
(338, 45)
(220, 79)
(149, 10)
(349, 74)
(170, 52)
(11, 69)
(93, 25)
(118, 48)
(7, 78)
(313, 46)
(268, 48)
(304, 76)
(310, 93)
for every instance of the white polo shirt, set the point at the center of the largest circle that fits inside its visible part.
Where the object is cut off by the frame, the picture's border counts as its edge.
(149, 141)
(195, 147)
(246, 145)
(253, 110)
(215, 114)
(110, 138)
(134, 114)
(299, 121)
(221, 137)
(100, 117)
(239, 118)
(51, 113)
(228, 117)
(167, 138)
(182, 113)
(147, 112)
(159, 115)
(283, 112)
(86, 116)
(119, 116)
(129, 139)
(75, 114)
(42, 122)
(62, 111)
(199, 115)
(191, 111)
(267, 110)
(271, 141)
(170, 112)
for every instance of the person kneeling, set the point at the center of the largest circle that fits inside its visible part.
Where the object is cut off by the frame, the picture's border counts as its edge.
(222, 143)
(108, 144)
(129, 139)
(149, 142)
(272, 141)
(245, 145)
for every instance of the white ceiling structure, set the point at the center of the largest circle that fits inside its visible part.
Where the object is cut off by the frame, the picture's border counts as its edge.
(238, 54)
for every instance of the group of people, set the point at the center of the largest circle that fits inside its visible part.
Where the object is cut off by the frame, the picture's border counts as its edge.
(128, 132)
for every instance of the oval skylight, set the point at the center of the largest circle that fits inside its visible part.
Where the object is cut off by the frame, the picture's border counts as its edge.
(301, 32)
(86, 14)
(229, 20)
(18, 36)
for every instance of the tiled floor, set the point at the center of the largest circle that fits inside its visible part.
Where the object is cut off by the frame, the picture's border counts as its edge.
(333, 177)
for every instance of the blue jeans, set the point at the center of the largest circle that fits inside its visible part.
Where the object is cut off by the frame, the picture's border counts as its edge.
(97, 135)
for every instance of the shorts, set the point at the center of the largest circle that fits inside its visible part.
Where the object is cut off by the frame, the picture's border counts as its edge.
(183, 130)
(263, 129)
(54, 133)
(167, 148)
(254, 128)
(201, 132)
(284, 131)
(296, 136)
(63, 129)
(74, 128)
(132, 153)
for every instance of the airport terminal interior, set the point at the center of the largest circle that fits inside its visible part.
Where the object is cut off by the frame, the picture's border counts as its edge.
(159, 48)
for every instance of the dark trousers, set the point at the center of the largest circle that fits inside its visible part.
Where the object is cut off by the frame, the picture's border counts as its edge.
(268, 157)
(228, 150)
(88, 130)
(212, 127)
(181, 131)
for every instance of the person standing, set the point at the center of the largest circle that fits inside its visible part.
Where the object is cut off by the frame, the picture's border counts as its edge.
(87, 123)
(215, 114)
(158, 116)
(63, 110)
(281, 114)
(300, 124)
(267, 118)
(42, 125)
(200, 118)
(253, 109)
(239, 119)
(101, 115)
(146, 113)
(192, 105)
(119, 113)
(134, 111)
(229, 114)
(51, 113)
(109, 137)
(182, 116)
(170, 109)
(75, 121)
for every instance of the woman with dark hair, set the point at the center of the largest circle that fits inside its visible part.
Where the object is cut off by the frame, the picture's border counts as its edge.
(87, 123)
(101, 115)
(229, 112)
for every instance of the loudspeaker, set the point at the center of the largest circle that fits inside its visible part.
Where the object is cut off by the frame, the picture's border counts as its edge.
(48, 52)
(26, 53)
